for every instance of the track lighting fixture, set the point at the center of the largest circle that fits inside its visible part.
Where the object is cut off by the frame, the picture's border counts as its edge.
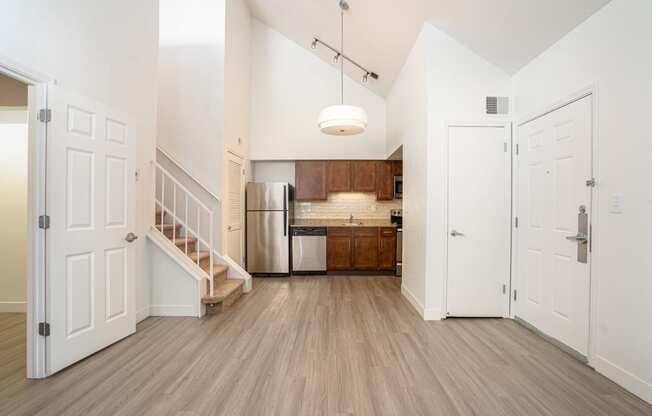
(336, 58)
(365, 78)
(313, 45)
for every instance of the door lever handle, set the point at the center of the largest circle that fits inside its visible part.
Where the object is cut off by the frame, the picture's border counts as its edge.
(581, 237)
(455, 233)
(131, 237)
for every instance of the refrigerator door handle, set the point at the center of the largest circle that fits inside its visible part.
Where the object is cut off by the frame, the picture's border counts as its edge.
(285, 211)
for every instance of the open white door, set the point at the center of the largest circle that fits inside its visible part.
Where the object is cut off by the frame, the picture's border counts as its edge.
(91, 205)
(479, 221)
(234, 216)
(554, 206)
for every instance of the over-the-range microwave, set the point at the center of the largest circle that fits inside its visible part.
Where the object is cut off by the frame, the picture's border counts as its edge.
(398, 187)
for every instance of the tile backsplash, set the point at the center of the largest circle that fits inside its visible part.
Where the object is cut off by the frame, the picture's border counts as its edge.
(341, 205)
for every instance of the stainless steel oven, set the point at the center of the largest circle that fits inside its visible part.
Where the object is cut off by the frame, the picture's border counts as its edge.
(398, 187)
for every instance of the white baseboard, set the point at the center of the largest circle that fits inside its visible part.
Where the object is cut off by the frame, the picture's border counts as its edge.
(142, 314)
(14, 307)
(426, 314)
(627, 380)
(432, 314)
(172, 310)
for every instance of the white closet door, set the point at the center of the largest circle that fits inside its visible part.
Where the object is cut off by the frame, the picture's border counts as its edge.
(91, 204)
(479, 222)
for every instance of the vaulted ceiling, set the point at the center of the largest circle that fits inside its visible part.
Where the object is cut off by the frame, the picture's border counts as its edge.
(379, 34)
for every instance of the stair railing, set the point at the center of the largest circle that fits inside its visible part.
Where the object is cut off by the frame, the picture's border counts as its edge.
(169, 194)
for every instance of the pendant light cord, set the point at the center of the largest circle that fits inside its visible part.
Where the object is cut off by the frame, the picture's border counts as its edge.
(342, 49)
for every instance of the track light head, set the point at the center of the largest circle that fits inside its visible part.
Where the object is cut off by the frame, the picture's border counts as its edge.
(365, 78)
(336, 58)
(313, 45)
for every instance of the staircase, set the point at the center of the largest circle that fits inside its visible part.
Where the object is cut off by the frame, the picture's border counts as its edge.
(179, 217)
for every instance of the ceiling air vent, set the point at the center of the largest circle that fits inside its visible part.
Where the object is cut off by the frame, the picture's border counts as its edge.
(497, 105)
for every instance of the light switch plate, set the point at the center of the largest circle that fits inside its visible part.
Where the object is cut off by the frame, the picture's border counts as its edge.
(617, 203)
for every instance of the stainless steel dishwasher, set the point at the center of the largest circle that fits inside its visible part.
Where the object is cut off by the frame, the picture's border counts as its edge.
(309, 250)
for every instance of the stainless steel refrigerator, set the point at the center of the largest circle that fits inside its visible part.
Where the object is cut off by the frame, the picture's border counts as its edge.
(269, 208)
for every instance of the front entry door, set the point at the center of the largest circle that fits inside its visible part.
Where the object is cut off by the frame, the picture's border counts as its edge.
(479, 221)
(234, 216)
(554, 164)
(90, 201)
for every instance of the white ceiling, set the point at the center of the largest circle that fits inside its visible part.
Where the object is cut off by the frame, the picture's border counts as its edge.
(380, 33)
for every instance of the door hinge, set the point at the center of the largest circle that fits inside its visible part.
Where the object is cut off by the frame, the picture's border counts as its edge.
(516, 149)
(44, 329)
(45, 115)
(44, 222)
(504, 289)
(591, 183)
(514, 295)
(515, 222)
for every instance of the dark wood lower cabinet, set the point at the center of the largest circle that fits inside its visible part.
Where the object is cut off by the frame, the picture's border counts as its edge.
(361, 249)
(365, 249)
(386, 248)
(339, 248)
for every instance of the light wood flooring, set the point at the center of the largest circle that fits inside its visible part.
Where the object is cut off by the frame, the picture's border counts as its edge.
(315, 346)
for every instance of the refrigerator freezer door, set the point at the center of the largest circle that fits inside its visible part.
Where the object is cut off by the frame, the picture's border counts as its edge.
(268, 244)
(267, 196)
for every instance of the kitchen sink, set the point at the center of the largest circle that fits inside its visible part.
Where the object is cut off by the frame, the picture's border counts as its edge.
(352, 224)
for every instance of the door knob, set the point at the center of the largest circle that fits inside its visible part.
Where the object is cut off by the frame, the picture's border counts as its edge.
(456, 234)
(581, 237)
(131, 237)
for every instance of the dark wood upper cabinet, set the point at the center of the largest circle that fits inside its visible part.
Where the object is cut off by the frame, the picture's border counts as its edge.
(338, 175)
(339, 248)
(397, 167)
(384, 181)
(310, 180)
(386, 248)
(365, 248)
(363, 175)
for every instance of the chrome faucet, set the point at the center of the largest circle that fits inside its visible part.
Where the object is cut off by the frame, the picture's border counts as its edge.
(351, 219)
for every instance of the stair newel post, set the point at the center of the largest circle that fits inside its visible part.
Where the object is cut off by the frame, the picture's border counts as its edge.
(186, 221)
(174, 213)
(210, 255)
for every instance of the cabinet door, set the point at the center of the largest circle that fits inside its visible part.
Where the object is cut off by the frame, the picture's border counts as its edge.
(310, 180)
(365, 249)
(364, 175)
(386, 248)
(397, 167)
(338, 173)
(339, 249)
(384, 181)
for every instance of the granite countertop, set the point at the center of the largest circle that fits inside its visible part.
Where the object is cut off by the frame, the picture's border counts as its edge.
(339, 222)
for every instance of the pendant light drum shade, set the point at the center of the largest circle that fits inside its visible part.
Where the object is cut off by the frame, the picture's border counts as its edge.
(342, 120)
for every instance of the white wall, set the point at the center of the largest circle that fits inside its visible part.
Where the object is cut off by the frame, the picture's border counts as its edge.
(290, 86)
(407, 125)
(441, 82)
(458, 80)
(106, 50)
(612, 51)
(237, 76)
(191, 86)
(273, 171)
(13, 209)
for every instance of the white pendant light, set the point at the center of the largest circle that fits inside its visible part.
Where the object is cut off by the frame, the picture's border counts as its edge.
(342, 120)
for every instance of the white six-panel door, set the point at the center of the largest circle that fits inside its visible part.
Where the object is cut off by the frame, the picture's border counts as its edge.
(90, 201)
(479, 188)
(554, 163)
